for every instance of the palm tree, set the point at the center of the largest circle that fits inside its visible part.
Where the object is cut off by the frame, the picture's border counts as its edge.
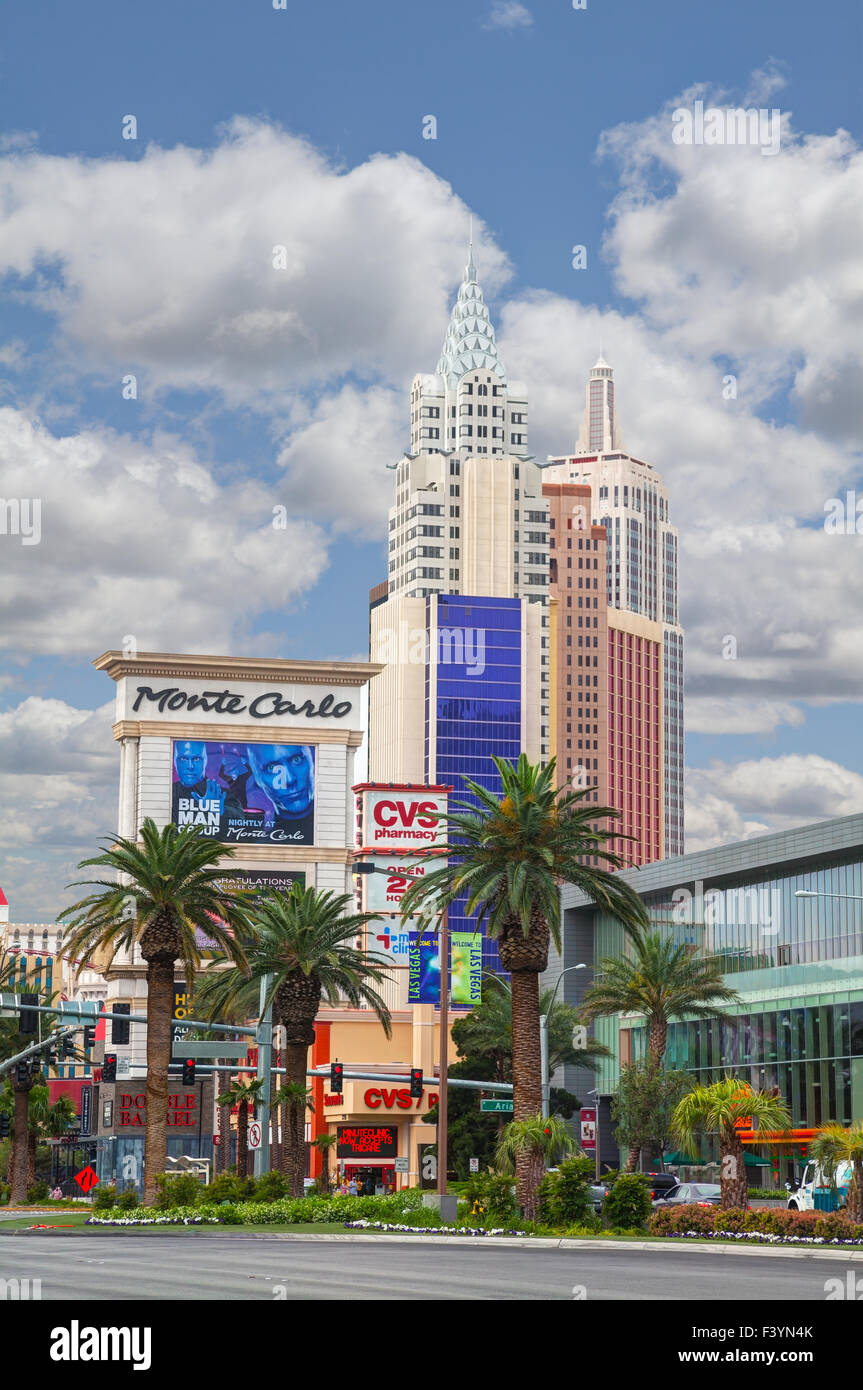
(529, 1144)
(305, 948)
(662, 981)
(244, 1094)
(168, 887)
(324, 1143)
(832, 1145)
(23, 1078)
(724, 1108)
(487, 1031)
(509, 852)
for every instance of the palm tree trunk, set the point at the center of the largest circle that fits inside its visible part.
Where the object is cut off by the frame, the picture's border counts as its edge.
(243, 1140)
(160, 1005)
(632, 1159)
(732, 1171)
(20, 1149)
(31, 1157)
(854, 1199)
(296, 1061)
(526, 1075)
(284, 1144)
(657, 1041)
(223, 1155)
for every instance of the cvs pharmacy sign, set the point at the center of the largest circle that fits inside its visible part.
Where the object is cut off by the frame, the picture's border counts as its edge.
(395, 819)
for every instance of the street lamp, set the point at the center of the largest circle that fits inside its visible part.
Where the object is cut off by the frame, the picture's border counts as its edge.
(543, 1042)
(808, 893)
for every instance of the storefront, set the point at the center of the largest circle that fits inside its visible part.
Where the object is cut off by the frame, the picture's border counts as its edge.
(119, 1111)
(380, 1129)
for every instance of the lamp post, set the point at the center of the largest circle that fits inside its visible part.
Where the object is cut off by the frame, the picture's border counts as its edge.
(543, 1042)
(809, 893)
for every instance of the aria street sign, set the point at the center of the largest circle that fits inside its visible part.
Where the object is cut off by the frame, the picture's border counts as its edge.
(496, 1106)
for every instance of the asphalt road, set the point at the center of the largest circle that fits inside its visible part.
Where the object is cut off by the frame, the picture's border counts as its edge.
(203, 1266)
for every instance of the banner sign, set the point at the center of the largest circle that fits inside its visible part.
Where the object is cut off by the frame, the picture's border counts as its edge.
(182, 1002)
(395, 944)
(384, 890)
(246, 880)
(465, 967)
(588, 1130)
(245, 793)
(424, 969)
(86, 1109)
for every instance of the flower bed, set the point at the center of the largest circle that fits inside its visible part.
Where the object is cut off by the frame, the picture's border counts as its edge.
(432, 1230)
(329, 1211)
(777, 1227)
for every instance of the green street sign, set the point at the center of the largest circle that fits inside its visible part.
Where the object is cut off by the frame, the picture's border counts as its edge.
(498, 1106)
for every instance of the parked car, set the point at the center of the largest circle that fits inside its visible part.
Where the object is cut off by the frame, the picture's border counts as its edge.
(702, 1194)
(662, 1183)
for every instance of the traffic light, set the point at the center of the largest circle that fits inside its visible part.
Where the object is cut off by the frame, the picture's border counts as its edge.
(27, 1022)
(5, 1126)
(120, 1026)
(109, 1067)
(51, 1056)
(189, 1072)
(337, 1076)
(90, 1037)
(416, 1081)
(67, 1047)
(22, 1073)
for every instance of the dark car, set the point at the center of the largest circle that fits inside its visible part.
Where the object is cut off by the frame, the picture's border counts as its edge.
(702, 1194)
(662, 1183)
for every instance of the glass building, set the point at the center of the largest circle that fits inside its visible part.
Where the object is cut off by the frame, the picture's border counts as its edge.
(796, 963)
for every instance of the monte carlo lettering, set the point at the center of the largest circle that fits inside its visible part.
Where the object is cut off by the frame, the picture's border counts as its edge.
(270, 705)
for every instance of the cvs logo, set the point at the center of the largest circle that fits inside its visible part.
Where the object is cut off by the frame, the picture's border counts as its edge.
(404, 813)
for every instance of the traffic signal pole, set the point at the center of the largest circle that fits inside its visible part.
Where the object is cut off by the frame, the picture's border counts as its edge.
(443, 947)
(264, 1073)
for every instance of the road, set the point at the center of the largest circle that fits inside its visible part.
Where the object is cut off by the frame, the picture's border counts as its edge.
(249, 1267)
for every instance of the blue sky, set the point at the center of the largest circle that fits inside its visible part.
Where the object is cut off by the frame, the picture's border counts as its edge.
(549, 131)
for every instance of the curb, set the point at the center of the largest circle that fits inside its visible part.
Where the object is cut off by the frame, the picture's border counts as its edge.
(498, 1242)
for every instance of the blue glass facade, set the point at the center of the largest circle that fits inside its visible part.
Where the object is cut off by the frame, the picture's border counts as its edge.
(478, 706)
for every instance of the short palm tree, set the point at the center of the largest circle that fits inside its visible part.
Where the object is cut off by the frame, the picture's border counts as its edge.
(531, 1143)
(487, 1031)
(832, 1144)
(325, 1144)
(168, 886)
(723, 1109)
(244, 1094)
(662, 981)
(304, 945)
(508, 854)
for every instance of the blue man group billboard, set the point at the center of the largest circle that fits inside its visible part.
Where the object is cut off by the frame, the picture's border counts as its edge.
(245, 793)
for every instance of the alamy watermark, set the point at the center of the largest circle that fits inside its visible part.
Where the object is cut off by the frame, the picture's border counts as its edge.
(756, 906)
(21, 516)
(419, 646)
(727, 125)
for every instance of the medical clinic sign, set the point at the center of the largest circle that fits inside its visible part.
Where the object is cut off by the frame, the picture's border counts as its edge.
(400, 817)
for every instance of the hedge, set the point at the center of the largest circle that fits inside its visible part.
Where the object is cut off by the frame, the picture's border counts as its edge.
(775, 1225)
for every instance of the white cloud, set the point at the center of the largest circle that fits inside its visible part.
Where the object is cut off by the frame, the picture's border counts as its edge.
(164, 265)
(140, 540)
(735, 801)
(508, 14)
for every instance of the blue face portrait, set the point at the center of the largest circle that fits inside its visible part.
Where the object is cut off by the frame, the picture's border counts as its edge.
(190, 760)
(286, 772)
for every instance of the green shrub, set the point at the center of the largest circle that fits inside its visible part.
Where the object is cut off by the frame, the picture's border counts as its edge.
(491, 1199)
(5, 1193)
(834, 1225)
(177, 1190)
(398, 1208)
(762, 1193)
(731, 1221)
(626, 1204)
(128, 1200)
(227, 1187)
(564, 1197)
(270, 1187)
(38, 1192)
(105, 1198)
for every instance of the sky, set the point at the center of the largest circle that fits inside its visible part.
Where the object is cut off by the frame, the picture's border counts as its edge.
(164, 386)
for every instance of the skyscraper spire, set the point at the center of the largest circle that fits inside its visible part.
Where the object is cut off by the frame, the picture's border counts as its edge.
(600, 428)
(469, 342)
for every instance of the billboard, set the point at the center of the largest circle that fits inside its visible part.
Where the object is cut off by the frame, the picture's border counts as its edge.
(245, 793)
(385, 888)
(396, 818)
(245, 880)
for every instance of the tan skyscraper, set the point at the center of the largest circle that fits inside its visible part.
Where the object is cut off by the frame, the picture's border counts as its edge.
(644, 754)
